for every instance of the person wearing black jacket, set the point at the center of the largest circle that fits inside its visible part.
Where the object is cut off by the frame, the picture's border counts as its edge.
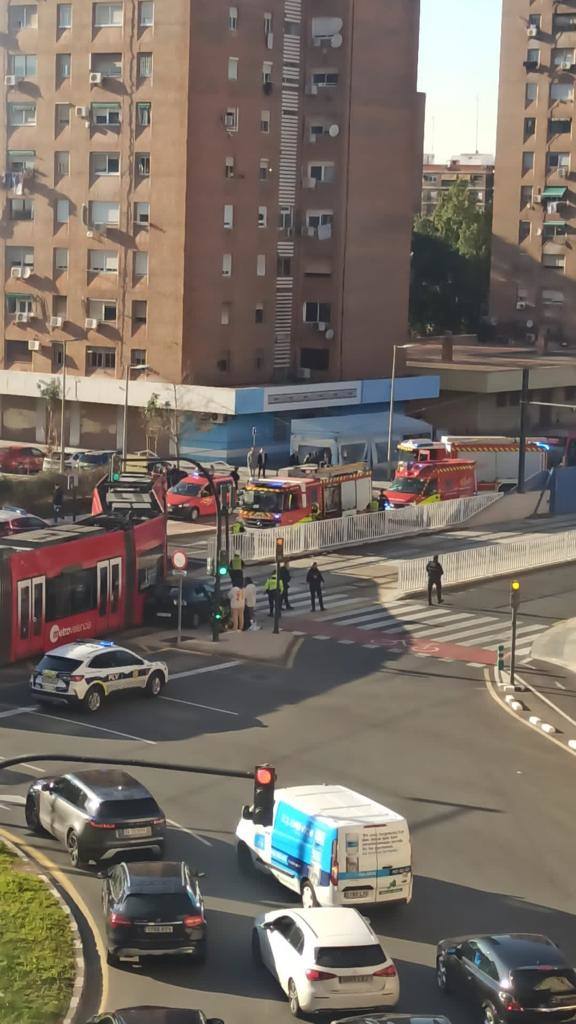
(315, 579)
(435, 573)
(285, 576)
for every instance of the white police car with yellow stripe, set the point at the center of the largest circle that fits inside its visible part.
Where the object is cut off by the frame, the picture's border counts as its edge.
(86, 672)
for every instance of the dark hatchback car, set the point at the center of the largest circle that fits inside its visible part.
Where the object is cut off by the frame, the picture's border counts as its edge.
(154, 910)
(16, 520)
(197, 603)
(510, 978)
(154, 1015)
(96, 813)
(392, 1018)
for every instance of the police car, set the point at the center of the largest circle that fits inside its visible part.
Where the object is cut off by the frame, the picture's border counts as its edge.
(85, 673)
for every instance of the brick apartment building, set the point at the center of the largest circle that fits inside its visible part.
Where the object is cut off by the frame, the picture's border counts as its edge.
(477, 170)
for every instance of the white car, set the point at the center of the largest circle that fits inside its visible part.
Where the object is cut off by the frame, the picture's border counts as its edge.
(86, 672)
(325, 958)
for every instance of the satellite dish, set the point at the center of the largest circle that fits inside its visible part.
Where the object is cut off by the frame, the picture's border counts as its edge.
(333, 131)
(336, 41)
(529, 323)
(329, 334)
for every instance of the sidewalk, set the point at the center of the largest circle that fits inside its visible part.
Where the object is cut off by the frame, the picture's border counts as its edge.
(262, 645)
(556, 648)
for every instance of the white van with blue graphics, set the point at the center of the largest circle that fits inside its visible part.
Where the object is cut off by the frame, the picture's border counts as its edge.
(331, 845)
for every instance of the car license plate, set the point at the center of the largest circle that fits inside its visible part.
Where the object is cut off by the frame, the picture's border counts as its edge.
(357, 894)
(356, 979)
(164, 615)
(165, 929)
(128, 833)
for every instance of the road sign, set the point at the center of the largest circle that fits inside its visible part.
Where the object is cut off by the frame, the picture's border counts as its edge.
(179, 560)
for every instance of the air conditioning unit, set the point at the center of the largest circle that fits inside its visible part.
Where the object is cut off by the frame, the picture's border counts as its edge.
(521, 305)
(312, 90)
(538, 198)
(56, 321)
(34, 345)
(565, 65)
(336, 41)
(552, 207)
(532, 31)
(320, 326)
(16, 272)
(89, 234)
(563, 172)
(270, 40)
(309, 182)
(10, 79)
(334, 131)
(81, 111)
(311, 232)
(304, 373)
(23, 318)
(329, 334)
(26, 272)
(90, 324)
(95, 78)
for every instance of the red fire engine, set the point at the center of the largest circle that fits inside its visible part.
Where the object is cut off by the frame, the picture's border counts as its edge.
(303, 495)
(431, 476)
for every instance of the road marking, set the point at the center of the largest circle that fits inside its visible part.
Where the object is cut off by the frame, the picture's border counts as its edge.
(97, 728)
(205, 707)
(33, 768)
(189, 832)
(208, 668)
(559, 685)
(4, 808)
(17, 711)
(14, 798)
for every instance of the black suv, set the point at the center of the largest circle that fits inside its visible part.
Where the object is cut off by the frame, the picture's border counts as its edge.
(511, 978)
(161, 608)
(96, 813)
(154, 1015)
(154, 910)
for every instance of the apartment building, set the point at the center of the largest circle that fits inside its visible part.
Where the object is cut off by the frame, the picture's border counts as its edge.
(477, 170)
(207, 194)
(533, 289)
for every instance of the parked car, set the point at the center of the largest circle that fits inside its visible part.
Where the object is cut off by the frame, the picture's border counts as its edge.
(51, 461)
(154, 1015)
(392, 1018)
(85, 672)
(92, 460)
(21, 459)
(509, 978)
(16, 520)
(154, 910)
(191, 497)
(161, 606)
(325, 958)
(96, 813)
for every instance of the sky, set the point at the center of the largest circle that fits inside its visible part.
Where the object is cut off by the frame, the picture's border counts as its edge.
(459, 59)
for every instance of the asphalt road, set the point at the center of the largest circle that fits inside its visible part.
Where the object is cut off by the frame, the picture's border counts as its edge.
(490, 806)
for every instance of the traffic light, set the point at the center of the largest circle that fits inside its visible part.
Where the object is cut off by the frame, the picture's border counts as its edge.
(500, 660)
(222, 564)
(515, 595)
(116, 467)
(279, 549)
(264, 781)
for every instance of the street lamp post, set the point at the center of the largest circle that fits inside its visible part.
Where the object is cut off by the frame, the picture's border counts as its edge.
(136, 366)
(63, 407)
(392, 389)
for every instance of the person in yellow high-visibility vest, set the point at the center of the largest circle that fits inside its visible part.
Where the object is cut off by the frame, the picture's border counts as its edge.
(274, 588)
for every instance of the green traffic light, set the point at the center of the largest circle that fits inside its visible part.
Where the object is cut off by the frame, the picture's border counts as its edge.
(222, 570)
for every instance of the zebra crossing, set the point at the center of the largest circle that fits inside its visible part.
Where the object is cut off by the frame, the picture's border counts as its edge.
(440, 623)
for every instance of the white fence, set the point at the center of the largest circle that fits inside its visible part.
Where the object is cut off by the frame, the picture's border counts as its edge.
(304, 538)
(493, 560)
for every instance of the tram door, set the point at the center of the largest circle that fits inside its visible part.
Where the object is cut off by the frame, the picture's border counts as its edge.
(109, 593)
(31, 615)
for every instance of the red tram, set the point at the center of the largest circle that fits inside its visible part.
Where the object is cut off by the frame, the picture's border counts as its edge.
(76, 581)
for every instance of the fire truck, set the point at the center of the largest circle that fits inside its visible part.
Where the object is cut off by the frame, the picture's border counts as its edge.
(496, 458)
(431, 475)
(303, 496)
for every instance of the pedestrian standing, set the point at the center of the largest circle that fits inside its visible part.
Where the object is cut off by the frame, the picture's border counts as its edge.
(237, 607)
(250, 605)
(273, 588)
(285, 576)
(252, 461)
(235, 477)
(262, 461)
(315, 579)
(236, 570)
(57, 502)
(435, 573)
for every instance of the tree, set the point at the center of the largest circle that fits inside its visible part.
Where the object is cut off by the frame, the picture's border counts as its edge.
(156, 420)
(51, 393)
(450, 265)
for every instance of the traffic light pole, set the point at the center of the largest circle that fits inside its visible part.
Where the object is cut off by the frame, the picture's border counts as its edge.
(216, 495)
(514, 602)
(278, 595)
(228, 773)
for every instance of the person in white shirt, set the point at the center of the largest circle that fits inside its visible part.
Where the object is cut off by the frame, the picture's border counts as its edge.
(237, 607)
(250, 609)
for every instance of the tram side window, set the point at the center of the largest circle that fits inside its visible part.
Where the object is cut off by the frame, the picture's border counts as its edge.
(24, 614)
(150, 565)
(71, 593)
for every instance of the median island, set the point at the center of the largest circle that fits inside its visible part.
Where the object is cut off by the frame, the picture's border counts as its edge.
(37, 965)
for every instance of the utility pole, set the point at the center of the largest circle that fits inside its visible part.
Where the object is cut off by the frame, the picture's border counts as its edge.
(514, 604)
(63, 408)
(523, 428)
(277, 594)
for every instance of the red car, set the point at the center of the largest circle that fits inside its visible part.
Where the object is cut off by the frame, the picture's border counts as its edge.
(18, 521)
(21, 459)
(191, 497)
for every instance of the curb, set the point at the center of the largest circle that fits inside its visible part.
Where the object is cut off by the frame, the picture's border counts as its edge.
(80, 979)
(522, 713)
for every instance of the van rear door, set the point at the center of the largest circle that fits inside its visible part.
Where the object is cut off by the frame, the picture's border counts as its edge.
(357, 866)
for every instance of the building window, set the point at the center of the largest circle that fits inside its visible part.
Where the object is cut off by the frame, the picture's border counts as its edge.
(559, 125)
(554, 229)
(63, 66)
(105, 164)
(263, 169)
(142, 213)
(563, 57)
(107, 15)
(106, 114)
(223, 364)
(564, 22)
(62, 211)
(227, 264)
(554, 261)
(562, 92)
(228, 216)
(317, 312)
(322, 172)
(138, 357)
(21, 256)
(225, 314)
(259, 313)
(21, 160)
(525, 196)
(558, 162)
(143, 165)
(109, 65)
(143, 115)
(140, 265)
(261, 265)
(232, 69)
(146, 13)
(21, 209)
(231, 119)
(551, 297)
(325, 79)
(60, 260)
(285, 218)
(103, 310)
(314, 359)
(229, 167)
(63, 16)
(262, 216)
(319, 223)
(19, 304)
(62, 116)
(101, 359)
(529, 127)
(527, 162)
(104, 214)
(232, 19)
(22, 16)
(61, 164)
(23, 65)
(284, 266)
(145, 65)
(265, 121)
(267, 72)
(21, 113)
(531, 92)
(532, 58)
(102, 261)
(139, 313)
(523, 230)
(267, 24)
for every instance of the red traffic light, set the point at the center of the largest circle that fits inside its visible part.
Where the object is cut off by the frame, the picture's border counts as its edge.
(264, 776)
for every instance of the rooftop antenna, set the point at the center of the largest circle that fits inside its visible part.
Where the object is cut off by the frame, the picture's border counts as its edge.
(477, 121)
